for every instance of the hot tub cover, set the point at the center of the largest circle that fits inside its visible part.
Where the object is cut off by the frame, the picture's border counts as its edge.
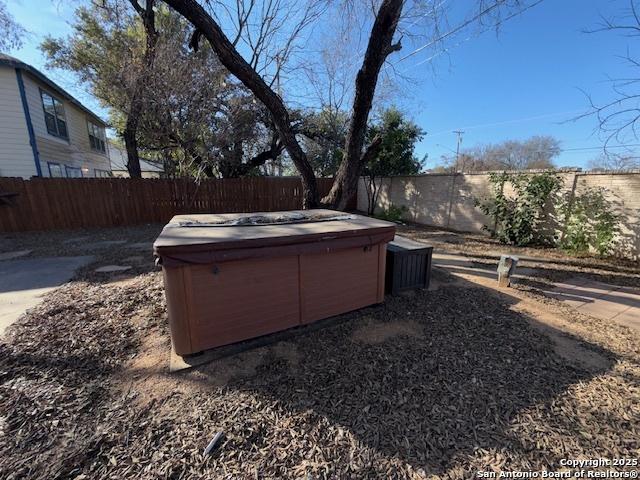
(207, 238)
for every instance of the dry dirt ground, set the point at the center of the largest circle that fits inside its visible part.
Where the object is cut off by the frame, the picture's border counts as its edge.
(438, 384)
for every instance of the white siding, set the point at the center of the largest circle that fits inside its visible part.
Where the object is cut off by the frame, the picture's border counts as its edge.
(75, 152)
(16, 155)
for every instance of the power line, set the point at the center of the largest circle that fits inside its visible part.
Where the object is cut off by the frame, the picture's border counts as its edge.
(469, 21)
(515, 120)
(601, 147)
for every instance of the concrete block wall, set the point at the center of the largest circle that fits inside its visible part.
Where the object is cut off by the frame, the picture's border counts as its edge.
(448, 200)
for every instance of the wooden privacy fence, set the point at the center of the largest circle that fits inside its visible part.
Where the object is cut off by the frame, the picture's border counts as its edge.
(66, 203)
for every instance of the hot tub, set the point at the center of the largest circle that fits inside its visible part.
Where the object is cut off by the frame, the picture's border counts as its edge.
(233, 277)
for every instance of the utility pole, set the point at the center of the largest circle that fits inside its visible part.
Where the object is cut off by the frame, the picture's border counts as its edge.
(459, 134)
(453, 176)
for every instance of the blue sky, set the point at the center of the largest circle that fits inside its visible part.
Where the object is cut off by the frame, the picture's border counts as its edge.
(525, 81)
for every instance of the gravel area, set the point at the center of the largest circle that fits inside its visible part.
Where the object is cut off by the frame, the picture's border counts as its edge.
(438, 384)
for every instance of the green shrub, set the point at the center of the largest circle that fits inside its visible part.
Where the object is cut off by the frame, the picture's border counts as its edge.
(589, 223)
(393, 213)
(520, 219)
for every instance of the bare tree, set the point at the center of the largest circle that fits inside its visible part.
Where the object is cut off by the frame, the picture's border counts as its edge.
(537, 152)
(380, 44)
(615, 162)
(188, 107)
(242, 69)
(619, 119)
(193, 107)
(12, 32)
(147, 15)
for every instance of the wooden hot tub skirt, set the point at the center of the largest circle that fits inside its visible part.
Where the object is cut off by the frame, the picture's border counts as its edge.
(218, 303)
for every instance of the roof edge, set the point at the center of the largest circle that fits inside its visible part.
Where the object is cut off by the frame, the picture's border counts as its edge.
(12, 62)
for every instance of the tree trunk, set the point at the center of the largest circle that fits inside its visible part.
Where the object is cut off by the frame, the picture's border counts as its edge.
(136, 104)
(372, 194)
(238, 66)
(131, 144)
(380, 45)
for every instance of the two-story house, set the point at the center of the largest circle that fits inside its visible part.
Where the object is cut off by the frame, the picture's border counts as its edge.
(44, 131)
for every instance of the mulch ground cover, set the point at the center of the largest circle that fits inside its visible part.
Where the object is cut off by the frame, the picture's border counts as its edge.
(439, 384)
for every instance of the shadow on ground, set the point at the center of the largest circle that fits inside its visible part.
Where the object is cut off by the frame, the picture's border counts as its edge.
(433, 380)
(447, 383)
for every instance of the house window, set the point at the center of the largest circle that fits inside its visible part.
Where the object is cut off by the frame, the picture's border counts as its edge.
(55, 170)
(73, 172)
(103, 173)
(54, 115)
(96, 137)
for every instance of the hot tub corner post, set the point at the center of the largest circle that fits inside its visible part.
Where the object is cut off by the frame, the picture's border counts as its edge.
(176, 285)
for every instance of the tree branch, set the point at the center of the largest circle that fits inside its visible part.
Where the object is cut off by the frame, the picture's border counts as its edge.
(239, 67)
(372, 150)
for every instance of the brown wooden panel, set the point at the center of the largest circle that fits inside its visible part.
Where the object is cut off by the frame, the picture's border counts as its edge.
(177, 282)
(9, 221)
(334, 283)
(244, 299)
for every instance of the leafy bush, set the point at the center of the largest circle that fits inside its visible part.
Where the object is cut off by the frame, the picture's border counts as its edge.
(520, 219)
(393, 213)
(589, 223)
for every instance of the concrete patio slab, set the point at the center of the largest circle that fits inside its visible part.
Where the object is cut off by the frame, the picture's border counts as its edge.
(628, 298)
(593, 289)
(443, 259)
(568, 297)
(24, 281)
(600, 300)
(603, 309)
(579, 292)
(572, 283)
(630, 318)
